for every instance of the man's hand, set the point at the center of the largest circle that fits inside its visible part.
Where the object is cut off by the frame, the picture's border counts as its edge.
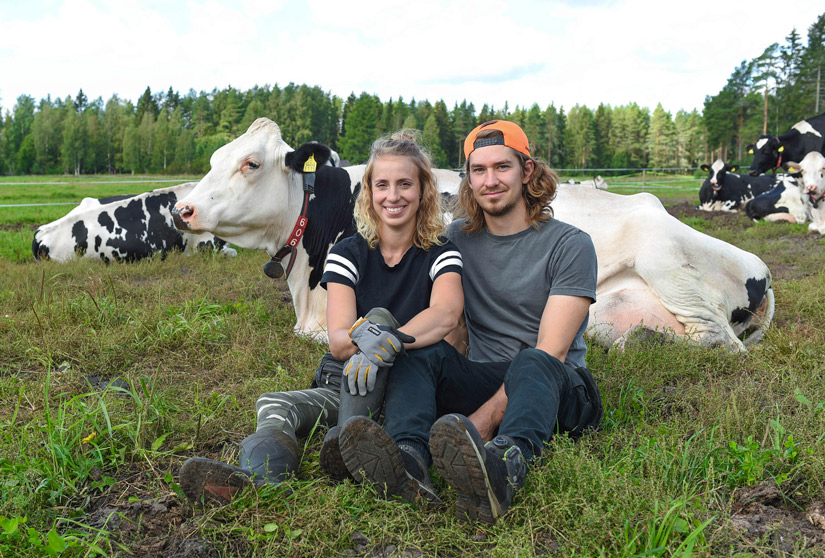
(361, 374)
(379, 343)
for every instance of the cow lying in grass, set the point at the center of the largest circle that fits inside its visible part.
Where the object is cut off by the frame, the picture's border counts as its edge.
(654, 271)
(121, 228)
(812, 171)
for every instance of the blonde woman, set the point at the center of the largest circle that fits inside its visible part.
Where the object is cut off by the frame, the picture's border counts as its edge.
(398, 274)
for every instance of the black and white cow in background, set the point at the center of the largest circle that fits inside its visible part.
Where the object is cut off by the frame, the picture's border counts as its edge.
(812, 180)
(783, 202)
(769, 152)
(725, 190)
(654, 271)
(121, 228)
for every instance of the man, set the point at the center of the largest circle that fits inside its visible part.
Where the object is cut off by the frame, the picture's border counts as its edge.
(528, 282)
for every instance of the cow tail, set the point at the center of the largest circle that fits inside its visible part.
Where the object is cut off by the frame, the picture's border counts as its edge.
(762, 319)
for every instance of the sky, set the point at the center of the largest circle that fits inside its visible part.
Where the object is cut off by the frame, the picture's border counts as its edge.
(519, 52)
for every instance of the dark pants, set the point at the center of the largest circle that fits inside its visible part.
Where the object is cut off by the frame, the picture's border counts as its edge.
(543, 395)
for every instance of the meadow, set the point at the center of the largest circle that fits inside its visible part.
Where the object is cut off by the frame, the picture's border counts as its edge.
(111, 376)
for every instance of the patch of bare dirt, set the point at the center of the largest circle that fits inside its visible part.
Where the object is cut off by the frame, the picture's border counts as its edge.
(147, 523)
(728, 219)
(762, 513)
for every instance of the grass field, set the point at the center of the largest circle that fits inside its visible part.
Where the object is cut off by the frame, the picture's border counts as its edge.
(112, 375)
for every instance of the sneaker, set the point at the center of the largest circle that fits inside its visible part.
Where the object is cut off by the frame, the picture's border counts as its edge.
(207, 481)
(486, 477)
(373, 457)
(330, 459)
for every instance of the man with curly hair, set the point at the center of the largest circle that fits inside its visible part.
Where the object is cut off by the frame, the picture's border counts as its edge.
(529, 280)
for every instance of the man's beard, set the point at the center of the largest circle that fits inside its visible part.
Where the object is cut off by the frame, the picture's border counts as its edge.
(500, 211)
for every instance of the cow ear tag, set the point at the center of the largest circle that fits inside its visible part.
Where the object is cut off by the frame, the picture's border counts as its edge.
(273, 269)
(781, 148)
(750, 151)
(310, 164)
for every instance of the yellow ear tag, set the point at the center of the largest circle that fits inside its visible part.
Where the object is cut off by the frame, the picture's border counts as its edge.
(750, 151)
(310, 164)
(781, 148)
(793, 170)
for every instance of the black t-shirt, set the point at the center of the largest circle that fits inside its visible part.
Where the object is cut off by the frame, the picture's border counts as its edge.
(403, 289)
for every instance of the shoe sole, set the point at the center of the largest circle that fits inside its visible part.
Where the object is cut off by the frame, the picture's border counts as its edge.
(330, 459)
(373, 458)
(206, 481)
(459, 461)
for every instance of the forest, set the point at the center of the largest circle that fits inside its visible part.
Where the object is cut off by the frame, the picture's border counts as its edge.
(167, 132)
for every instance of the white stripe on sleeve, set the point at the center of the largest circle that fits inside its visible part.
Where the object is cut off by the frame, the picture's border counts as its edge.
(342, 266)
(452, 257)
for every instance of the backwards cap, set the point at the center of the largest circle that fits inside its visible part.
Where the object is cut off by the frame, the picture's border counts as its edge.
(513, 137)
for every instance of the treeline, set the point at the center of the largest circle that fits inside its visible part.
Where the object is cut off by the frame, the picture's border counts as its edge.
(170, 133)
(166, 132)
(769, 94)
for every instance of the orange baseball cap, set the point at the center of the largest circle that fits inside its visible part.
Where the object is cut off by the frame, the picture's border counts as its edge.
(514, 137)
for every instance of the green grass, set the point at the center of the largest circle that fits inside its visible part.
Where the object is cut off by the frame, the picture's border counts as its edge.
(112, 375)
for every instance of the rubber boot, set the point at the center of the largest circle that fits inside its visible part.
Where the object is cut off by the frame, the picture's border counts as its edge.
(270, 455)
(351, 405)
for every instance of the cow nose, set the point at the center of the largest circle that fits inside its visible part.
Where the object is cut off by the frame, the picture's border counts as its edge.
(181, 215)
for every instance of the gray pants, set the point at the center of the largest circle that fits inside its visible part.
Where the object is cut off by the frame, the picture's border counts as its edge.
(298, 412)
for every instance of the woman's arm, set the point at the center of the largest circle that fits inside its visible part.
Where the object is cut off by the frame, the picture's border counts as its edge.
(446, 307)
(341, 314)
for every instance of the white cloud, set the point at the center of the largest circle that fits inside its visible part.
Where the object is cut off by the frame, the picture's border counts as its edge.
(521, 52)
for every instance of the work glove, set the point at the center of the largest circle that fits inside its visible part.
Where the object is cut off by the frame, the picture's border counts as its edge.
(379, 343)
(361, 374)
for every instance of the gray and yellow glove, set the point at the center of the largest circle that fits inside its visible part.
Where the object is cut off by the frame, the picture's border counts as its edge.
(379, 343)
(360, 373)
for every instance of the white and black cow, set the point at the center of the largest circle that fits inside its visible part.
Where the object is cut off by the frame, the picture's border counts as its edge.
(812, 179)
(653, 270)
(121, 228)
(725, 190)
(805, 136)
(783, 202)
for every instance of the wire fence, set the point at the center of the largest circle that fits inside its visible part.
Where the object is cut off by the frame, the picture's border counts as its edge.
(673, 178)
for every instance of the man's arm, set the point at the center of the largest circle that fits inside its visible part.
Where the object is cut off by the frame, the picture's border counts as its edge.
(560, 321)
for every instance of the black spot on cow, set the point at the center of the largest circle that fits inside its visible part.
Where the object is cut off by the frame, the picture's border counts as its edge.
(296, 159)
(81, 238)
(757, 288)
(106, 222)
(329, 215)
(112, 199)
(210, 246)
(98, 242)
(40, 251)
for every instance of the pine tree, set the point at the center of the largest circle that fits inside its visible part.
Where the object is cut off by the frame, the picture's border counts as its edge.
(661, 137)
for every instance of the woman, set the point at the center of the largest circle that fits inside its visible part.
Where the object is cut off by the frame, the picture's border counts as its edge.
(398, 267)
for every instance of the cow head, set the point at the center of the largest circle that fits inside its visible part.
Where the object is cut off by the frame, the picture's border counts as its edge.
(246, 197)
(812, 171)
(715, 182)
(767, 153)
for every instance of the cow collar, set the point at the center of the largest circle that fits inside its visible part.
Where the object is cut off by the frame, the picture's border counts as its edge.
(815, 201)
(274, 268)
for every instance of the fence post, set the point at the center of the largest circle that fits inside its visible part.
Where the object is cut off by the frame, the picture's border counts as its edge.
(644, 171)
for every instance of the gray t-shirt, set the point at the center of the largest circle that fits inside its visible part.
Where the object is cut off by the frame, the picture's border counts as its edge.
(507, 280)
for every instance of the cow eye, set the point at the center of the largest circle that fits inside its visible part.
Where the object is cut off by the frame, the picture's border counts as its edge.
(250, 165)
(253, 165)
